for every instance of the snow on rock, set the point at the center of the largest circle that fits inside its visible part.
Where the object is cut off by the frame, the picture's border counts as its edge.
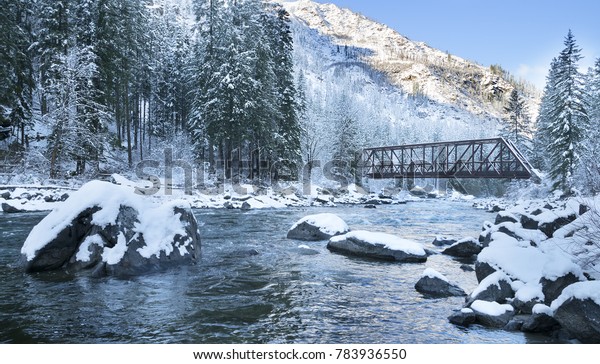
(318, 227)
(577, 310)
(541, 308)
(113, 230)
(378, 246)
(494, 288)
(491, 308)
(435, 284)
(492, 314)
(527, 296)
(432, 273)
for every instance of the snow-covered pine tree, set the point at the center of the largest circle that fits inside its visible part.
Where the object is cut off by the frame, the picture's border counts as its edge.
(590, 160)
(568, 118)
(518, 127)
(541, 136)
(16, 69)
(76, 117)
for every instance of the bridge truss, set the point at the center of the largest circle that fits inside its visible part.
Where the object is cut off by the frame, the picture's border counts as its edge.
(482, 158)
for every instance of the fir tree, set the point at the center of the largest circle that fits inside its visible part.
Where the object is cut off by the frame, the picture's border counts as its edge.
(568, 118)
(518, 128)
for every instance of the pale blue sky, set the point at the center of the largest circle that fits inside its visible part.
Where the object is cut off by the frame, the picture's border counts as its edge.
(522, 36)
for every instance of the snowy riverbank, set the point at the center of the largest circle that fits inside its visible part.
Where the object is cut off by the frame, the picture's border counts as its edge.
(30, 198)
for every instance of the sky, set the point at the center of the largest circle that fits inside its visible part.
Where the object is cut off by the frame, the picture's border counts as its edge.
(521, 36)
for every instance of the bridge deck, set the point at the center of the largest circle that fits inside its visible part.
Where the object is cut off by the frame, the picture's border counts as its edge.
(481, 158)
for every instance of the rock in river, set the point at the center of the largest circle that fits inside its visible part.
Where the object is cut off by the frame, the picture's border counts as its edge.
(110, 229)
(378, 246)
(318, 227)
(434, 284)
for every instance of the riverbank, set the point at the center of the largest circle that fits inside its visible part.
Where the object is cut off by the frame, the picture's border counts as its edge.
(31, 198)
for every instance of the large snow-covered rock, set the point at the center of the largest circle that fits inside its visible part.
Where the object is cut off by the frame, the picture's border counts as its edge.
(318, 227)
(434, 284)
(378, 246)
(577, 310)
(110, 229)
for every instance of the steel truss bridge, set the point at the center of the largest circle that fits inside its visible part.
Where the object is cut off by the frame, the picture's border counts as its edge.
(481, 158)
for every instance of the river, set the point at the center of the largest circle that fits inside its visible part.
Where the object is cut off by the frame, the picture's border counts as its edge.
(277, 296)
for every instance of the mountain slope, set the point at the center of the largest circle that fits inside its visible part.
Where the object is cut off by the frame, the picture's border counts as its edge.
(413, 67)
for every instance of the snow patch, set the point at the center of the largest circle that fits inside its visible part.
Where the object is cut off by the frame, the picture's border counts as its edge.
(389, 241)
(491, 308)
(580, 291)
(432, 273)
(327, 223)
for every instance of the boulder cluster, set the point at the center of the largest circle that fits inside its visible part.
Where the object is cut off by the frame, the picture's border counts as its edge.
(527, 281)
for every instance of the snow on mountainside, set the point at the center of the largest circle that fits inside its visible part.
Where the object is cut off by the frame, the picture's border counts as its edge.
(414, 67)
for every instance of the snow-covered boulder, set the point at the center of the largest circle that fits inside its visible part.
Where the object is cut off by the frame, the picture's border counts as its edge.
(492, 314)
(434, 284)
(318, 227)
(378, 246)
(505, 216)
(110, 229)
(494, 288)
(577, 310)
(464, 248)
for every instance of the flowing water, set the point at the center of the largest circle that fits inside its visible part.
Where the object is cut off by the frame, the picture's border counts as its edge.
(232, 296)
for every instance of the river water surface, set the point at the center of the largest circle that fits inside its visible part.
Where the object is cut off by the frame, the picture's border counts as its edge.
(230, 296)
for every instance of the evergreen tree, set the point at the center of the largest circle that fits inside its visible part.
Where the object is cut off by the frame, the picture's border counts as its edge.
(591, 158)
(568, 118)
(518, 128)
(16, 68)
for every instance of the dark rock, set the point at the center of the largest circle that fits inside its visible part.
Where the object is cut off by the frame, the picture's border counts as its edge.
(540, 322)
(483, 270)
(9, 209)
(515, 324)
(442, 241)
(241, 199)
(504, 217)
(433, 195)
(537, 212)
(5, 195)
(549, 228)
(525, 307)
(64, 197)
(243, 253)
(49, 198)
(581, 318)
(553, 288)
(246, 206)
(385, 197)
(528, 222)
(25, 196)
(467, 268)
(463, 318)
(228, 205)
(437, 287)
(350, 244)
(464, 248)
(373, 202)
(583, 209)
(497, 208)
(418, 191)
(495, 288)
(370, 206)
